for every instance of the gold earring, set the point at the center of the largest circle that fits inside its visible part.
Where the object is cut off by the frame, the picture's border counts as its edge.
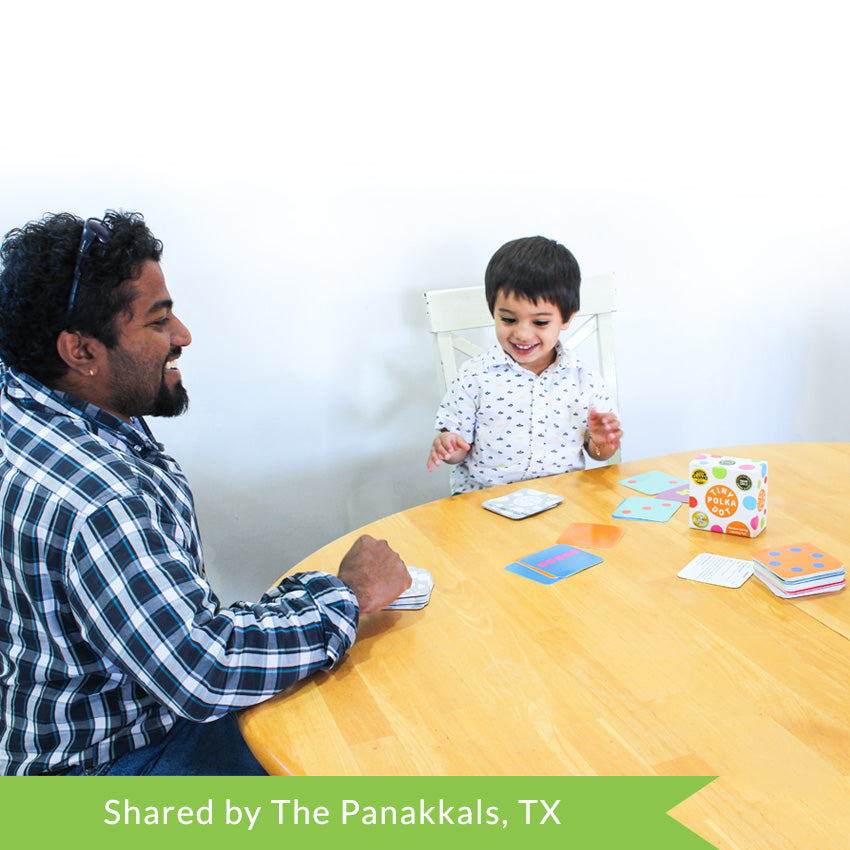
(91, 373)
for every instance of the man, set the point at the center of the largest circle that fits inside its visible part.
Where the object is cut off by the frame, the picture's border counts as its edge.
(116, 657)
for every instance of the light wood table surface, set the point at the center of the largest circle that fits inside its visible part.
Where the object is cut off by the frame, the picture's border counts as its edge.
(622, 669)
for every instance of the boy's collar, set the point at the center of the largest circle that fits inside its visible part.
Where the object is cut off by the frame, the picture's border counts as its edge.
(498, 357)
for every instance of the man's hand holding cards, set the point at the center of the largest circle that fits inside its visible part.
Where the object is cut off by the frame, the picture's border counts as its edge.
(417, 595)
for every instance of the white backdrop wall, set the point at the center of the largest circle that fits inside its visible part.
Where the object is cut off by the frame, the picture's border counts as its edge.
(312, 169)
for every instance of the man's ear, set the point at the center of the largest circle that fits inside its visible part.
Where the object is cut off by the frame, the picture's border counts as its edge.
(79, 351)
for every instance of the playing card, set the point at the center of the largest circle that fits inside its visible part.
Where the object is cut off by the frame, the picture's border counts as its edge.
(592, 535)
(798, 561)
(717, 569)
(653, 510)
(677, 494)
(417, 595)
(522, 503)
(553, 564)
(560, 560)
(534, 575)
(652, 483)
(770, 581)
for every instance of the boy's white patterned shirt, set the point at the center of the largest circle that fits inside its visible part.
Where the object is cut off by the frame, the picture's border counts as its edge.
(520, 425)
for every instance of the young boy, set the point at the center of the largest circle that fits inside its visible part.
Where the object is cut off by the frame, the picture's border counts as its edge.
(527, 407)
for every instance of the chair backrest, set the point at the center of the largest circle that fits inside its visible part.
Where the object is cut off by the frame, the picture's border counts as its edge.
(453, 311)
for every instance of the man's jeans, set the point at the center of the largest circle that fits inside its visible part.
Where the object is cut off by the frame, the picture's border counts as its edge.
(189, 749)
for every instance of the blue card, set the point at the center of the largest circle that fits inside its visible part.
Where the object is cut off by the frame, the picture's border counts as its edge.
(653, 510)
(534, 575)
(652, 483)
(560, 560)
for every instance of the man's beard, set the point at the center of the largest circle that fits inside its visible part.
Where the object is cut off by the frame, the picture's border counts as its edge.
(173, 402)
(130, 398)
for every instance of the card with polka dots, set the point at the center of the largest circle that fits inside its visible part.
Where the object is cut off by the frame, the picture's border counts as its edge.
(418, 594)
(792, 590)
(522, 503)
(653, 483)
(798, 561)
(799, 569)
(651, 510)
(797, 593)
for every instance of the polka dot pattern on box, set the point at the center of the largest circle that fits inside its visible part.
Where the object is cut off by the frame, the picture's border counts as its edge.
(728, 495)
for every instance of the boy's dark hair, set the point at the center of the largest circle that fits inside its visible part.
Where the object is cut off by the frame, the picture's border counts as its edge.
(35, 284)
(534, 268)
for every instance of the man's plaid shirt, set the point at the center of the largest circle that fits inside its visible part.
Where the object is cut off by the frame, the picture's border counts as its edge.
(108, 627)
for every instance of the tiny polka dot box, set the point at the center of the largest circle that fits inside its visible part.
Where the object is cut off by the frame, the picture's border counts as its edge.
(728, 494)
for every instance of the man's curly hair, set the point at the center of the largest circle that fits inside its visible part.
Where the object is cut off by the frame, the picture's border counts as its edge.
(38, 262)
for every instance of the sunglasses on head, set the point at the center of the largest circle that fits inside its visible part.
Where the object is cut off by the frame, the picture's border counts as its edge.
(94, 229)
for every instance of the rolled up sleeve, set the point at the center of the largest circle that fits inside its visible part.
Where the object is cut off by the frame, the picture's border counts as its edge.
(138, 591)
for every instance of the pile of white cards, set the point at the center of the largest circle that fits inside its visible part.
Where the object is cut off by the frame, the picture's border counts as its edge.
(417, 595)
(522, 503)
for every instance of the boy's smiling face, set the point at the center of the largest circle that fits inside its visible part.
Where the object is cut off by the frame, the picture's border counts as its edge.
(528, 332)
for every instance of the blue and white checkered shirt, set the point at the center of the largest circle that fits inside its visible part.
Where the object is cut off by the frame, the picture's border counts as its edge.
(108, 627)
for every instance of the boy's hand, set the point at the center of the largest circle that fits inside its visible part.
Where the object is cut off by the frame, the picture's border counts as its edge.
(448, 447)
(604, 434)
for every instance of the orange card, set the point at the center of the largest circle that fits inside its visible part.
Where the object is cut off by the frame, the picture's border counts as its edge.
(591, 535)
(797, 561)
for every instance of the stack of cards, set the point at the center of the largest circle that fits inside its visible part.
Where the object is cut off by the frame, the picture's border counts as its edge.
(553, 564)
(522, 503)
(417, 595)
(798, 570)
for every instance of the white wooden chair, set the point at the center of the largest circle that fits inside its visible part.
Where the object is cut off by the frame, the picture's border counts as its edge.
(454, 311)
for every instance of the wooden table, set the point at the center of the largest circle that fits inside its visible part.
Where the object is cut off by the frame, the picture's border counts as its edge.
(623, 669)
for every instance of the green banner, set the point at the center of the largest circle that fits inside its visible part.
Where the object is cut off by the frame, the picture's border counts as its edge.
(210, 812)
